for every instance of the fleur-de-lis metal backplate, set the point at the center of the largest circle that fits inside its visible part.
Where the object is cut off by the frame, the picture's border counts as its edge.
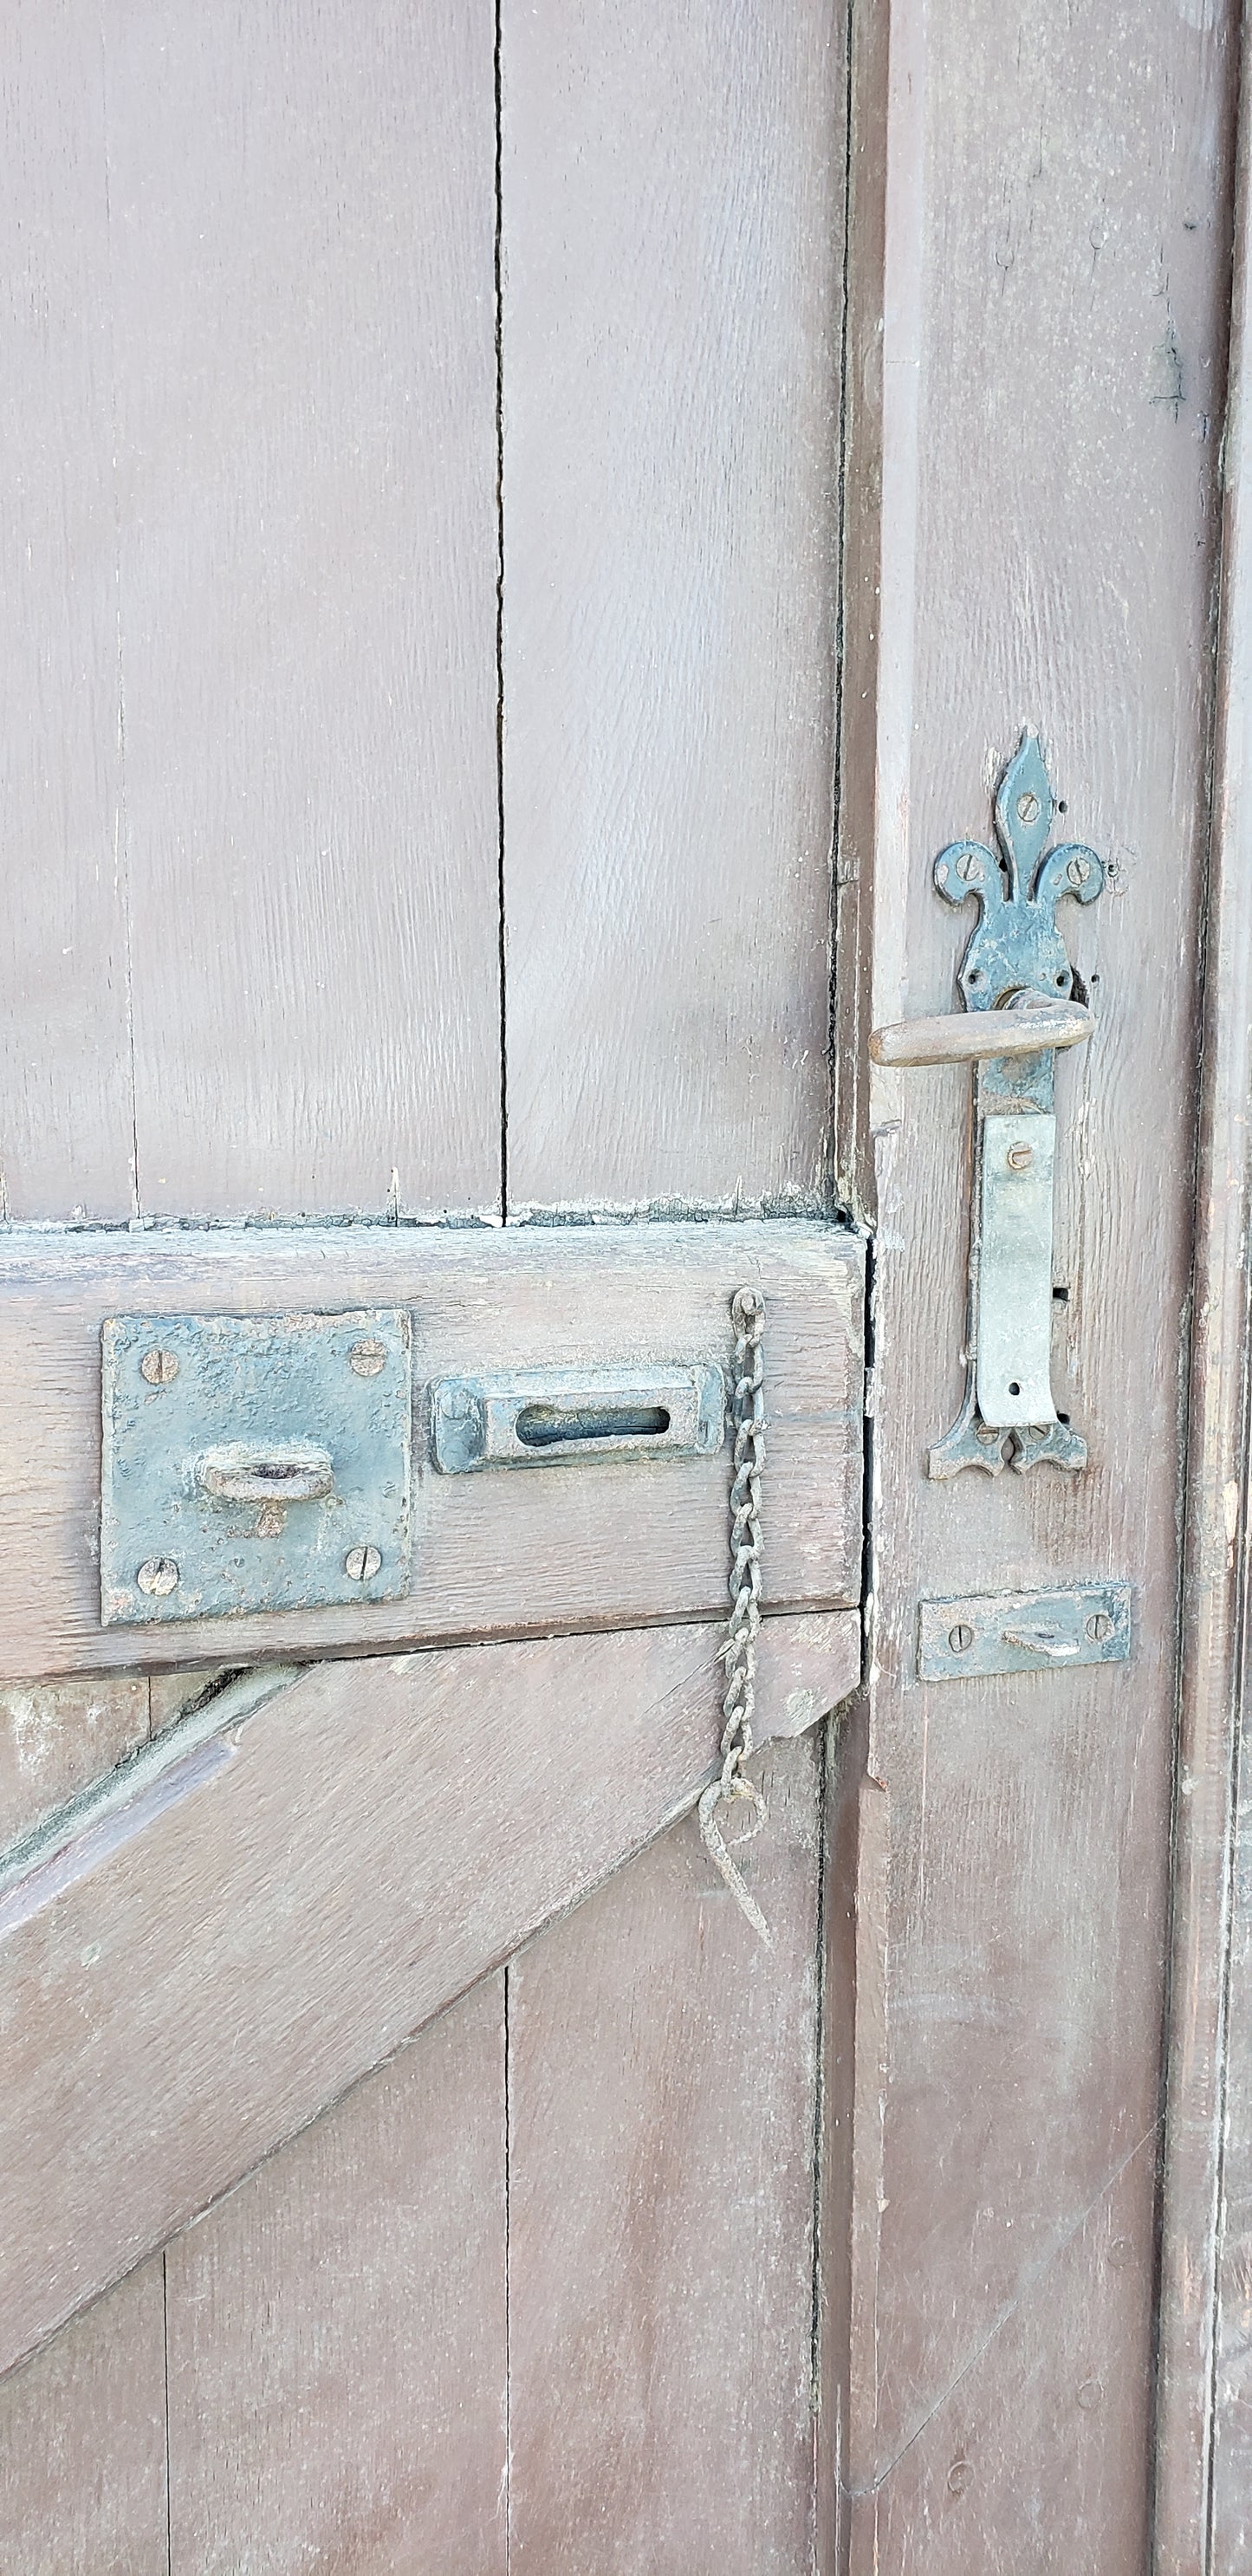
(1016, 958)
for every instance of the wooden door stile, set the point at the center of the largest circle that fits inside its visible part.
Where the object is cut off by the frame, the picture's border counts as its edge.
(1203, 2453)
(1043, 554)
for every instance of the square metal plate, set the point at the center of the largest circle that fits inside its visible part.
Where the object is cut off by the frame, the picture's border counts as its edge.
(253, 1462)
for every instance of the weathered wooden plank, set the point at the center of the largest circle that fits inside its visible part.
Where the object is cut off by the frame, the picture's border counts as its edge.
(1070, 2353)
(82, 2444)
(662, 2122)
(671, 208)
(337, 2332)
(66, 1141)
(301, 243)
(1011, 1954)
(512, 1549)
(287, 1885)
(1218, 2307)
(1205, 2395)
(57, 1737)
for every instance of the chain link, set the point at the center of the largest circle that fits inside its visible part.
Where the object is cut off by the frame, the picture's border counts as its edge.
(732, 1785)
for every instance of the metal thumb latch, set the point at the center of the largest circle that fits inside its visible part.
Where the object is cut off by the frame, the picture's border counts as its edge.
(1018, 986)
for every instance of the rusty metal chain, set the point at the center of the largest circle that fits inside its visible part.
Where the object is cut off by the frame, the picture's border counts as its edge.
(732, 1785)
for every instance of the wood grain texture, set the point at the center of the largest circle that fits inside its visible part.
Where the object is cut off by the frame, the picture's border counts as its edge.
(965, 2492)
(250, 538)
(57, 1737)
(672, 206)
(1217, 2231)
(82, 2444)
(1051, 288)
(337, 2333)
(304, 211)
(515, 1549)
(67, 1132)
(662, 2071)
(1201, 2511)
(288, 1885)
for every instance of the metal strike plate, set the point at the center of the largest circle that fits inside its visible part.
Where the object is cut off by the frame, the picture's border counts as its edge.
(1014, 1371)
(548, 1417)
(1023, 1632)
(253, 1462)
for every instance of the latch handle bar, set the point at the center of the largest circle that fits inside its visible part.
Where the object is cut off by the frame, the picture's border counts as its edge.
(965, 1037)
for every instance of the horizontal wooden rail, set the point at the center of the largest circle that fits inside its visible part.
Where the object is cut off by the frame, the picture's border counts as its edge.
(515, 1551)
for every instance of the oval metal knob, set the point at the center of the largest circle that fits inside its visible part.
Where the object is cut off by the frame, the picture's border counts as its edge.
(961, 1037)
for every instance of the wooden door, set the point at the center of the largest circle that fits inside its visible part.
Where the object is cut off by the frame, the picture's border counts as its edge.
(525, 531)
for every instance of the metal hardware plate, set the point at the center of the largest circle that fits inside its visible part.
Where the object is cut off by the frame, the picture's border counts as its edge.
(253, 1462)
(1023, 1632)
(1014, 1380)
(547, 1417)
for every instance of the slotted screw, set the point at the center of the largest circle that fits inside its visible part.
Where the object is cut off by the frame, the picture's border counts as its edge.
(960, 1638)
(158, 1368)
(362, 1563)
(159, 1576)
(365, 1359)
(1028, 808)
(1099, 1626)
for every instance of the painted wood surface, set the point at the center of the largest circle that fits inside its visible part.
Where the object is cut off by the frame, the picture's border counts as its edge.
(287, 1885)
(82, 2444)
(337, 2335)
(338, 2342)
(67, 1143)
(1052, 379)
(1203, 2467)
(250, 539)
(661, 2139)
(513, 1550)
(671, 232)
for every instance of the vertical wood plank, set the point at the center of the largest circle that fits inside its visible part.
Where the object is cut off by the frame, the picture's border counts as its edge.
(662, 2121)
(302, 216)
(67, 1125)
(1204, 2382)
(82, 2444)
(1219, 2497)
(1054, 309)
(337, 2333)
(672, 198)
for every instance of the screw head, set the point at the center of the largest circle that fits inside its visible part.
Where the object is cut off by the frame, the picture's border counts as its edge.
(969, 867)
(960, 1638)
(1078, 871)
(1099, 1626)
(365, 1359)
(158, 1575)
(960, 2476)
(362, 1563)
(1020, 1157)
(1028, 808)
(158, 1368)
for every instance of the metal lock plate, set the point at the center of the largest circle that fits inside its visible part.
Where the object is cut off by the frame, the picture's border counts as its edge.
(542, 1417)
(1023, 1632)
(253, 1462)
